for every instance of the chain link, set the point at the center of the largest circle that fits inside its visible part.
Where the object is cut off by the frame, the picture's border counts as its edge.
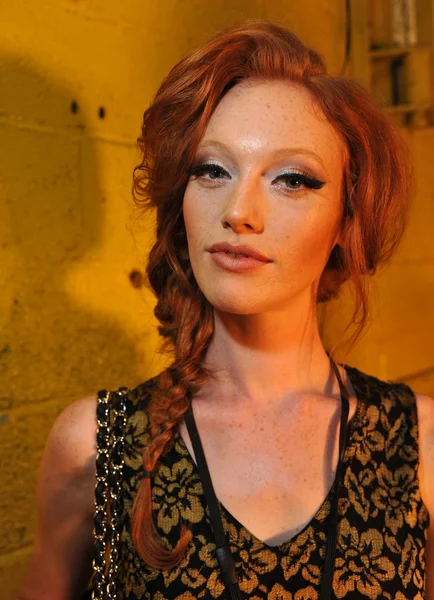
(108, 488)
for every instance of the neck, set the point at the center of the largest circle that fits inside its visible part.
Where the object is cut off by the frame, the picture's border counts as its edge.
(265, 358)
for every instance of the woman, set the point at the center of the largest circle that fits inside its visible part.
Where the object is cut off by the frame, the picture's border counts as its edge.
(274, 183)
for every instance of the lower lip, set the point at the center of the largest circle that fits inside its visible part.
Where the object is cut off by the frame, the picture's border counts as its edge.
(232, 263)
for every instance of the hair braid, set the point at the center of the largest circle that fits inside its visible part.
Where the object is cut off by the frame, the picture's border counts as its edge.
(168, 405)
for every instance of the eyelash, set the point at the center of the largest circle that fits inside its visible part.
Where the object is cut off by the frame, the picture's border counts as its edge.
(308, 181)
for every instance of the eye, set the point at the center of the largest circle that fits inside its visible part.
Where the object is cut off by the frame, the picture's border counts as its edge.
(296, 177)
(294, 181)
(214, 170)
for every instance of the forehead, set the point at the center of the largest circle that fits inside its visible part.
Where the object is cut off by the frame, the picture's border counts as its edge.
(257, 117)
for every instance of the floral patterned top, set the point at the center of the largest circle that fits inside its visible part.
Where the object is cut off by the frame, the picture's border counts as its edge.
(382, 524)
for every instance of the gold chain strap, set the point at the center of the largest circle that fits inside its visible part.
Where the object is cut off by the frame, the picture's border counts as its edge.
(109, 467)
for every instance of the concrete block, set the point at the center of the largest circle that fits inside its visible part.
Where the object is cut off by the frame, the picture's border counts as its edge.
(406, 316)
(42, 221)
(55, 348)
(100, 56)
(418, 244)
(398, 341)
(22, 438)
(12, 568)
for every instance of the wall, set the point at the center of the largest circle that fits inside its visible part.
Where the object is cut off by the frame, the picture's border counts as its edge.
(399, 342)
(75, 78)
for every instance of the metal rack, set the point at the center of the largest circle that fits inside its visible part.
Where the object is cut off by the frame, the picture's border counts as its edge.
(401, 76)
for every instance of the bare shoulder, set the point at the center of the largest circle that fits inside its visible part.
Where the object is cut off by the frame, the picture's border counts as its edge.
(425, 413)
(72, 439)
(425, 418)
(68, 463)
(67, 473)
(425, 410)
(60, 564)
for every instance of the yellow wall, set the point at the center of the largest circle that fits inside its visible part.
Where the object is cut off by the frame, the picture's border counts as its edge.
(71, 322)
(399, 343)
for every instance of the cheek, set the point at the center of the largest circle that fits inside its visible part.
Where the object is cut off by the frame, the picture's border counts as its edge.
(195, 220)
(305, 240)
(188, 214)
(200, 211)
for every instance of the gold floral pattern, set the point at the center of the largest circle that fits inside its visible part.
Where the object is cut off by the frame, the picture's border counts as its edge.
(170, 498)
(382, 525)
(396, 494)
(362, 564)
(371, 438)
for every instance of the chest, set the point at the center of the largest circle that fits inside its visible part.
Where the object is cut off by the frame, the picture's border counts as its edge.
(272, 473)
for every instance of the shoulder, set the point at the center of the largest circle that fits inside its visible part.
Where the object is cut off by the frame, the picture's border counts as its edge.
(65, 506)
(139, 396)
(138, 401)
(392, 397)
(69, 456)
(425, 410)
(73, 435)
(389, 396)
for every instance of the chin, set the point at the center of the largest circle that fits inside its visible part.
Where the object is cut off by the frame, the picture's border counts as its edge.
(229, 303)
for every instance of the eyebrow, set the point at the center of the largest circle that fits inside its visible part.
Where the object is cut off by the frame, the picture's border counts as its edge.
(278, 153)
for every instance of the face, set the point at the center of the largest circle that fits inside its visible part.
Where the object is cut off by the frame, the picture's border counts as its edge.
(267, 174)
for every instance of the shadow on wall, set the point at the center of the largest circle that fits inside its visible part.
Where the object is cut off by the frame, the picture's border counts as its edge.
(51, 350)
(52, 207)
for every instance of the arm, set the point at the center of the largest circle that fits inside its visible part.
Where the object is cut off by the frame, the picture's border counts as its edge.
(61, 561)
(425, 409)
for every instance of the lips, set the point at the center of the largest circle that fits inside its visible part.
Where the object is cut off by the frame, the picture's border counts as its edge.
(240, 249)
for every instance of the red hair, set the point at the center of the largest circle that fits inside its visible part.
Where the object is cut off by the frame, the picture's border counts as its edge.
(377, 183)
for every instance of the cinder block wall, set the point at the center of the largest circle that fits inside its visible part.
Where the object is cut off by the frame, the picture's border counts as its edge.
(398, 345)
(75, 78)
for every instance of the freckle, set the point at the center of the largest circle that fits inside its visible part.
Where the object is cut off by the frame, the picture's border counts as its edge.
(262, 429)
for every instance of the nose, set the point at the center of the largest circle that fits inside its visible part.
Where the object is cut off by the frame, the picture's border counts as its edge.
(244, 207)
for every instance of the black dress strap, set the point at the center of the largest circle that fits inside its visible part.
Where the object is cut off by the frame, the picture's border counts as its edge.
(329, 563)
(224, 556)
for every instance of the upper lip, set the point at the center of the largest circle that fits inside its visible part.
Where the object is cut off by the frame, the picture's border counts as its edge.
(238, 249)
